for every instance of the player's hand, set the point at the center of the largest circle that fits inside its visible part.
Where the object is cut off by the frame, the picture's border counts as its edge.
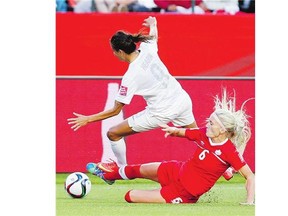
(78, 121)
(170, 131)
(247, 203)
(150, 21)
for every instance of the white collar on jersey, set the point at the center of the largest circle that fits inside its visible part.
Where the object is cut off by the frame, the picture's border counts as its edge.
(217, 144)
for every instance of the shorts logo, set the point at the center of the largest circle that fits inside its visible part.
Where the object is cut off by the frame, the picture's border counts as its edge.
(177, 200)
(123, 90)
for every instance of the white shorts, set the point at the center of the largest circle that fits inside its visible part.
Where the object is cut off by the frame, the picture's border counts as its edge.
(145, 120)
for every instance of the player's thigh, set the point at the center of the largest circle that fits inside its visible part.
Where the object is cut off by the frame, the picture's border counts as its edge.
(150, 170)
(145, 121)
(120, 130)
(146, 196)
(185, 116)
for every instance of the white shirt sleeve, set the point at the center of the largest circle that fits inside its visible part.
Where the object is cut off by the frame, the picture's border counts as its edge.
(126, 91)
(151, 45)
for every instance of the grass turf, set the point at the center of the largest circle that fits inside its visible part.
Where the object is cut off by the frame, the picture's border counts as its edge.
(108, 200)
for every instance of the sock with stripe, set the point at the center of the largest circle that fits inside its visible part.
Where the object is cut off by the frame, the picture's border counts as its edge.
(124, 172)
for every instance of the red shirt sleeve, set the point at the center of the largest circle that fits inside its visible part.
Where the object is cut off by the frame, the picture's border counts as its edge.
(195, 133)
(235, 158)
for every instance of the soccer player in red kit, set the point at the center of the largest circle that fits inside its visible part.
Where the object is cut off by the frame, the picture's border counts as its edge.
(184, 182)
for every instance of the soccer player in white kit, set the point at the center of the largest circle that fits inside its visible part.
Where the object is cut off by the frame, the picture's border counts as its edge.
(148, 77)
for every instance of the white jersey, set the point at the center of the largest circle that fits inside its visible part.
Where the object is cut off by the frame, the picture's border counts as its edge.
(148, 77)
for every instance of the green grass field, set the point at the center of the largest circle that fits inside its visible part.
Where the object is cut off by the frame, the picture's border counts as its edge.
(108, 200)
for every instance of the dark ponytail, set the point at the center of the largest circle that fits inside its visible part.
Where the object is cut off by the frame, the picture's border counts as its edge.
(127, 42)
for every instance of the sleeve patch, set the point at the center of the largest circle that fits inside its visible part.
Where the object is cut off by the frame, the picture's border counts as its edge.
(123, 90)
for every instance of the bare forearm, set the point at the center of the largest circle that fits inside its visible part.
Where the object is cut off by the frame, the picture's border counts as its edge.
(173, 131)
(154, 31)
(180, 132)
(81, 120)
(246, 172)
(102, 115)
(250, 188)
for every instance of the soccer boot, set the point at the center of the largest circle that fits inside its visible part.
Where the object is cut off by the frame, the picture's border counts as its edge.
(95, 170)
(108, 167)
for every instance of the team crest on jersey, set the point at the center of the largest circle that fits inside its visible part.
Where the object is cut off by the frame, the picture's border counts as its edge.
(218, 152)
(123, 90)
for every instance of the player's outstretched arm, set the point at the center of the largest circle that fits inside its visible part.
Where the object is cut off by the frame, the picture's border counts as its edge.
(172, 131)
(82, 120)
(151, 23)
(246, 172)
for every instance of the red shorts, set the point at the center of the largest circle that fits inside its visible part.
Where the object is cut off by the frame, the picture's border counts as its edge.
(172, 190)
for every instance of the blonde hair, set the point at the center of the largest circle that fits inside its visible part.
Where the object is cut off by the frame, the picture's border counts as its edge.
(235, 122)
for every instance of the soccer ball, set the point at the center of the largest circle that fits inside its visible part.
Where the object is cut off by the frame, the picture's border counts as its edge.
(77, 185)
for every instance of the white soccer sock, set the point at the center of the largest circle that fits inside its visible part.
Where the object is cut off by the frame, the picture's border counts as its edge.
(122, 173)
(119, 149)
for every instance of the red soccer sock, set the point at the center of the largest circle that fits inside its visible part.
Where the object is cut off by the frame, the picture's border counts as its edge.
(127, 197)
(133, 171)
(130, 171)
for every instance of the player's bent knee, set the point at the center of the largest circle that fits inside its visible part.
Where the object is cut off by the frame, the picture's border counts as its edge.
(112, 136)
(127, 197)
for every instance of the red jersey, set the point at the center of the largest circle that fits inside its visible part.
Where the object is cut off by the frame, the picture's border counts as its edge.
(210, 160)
